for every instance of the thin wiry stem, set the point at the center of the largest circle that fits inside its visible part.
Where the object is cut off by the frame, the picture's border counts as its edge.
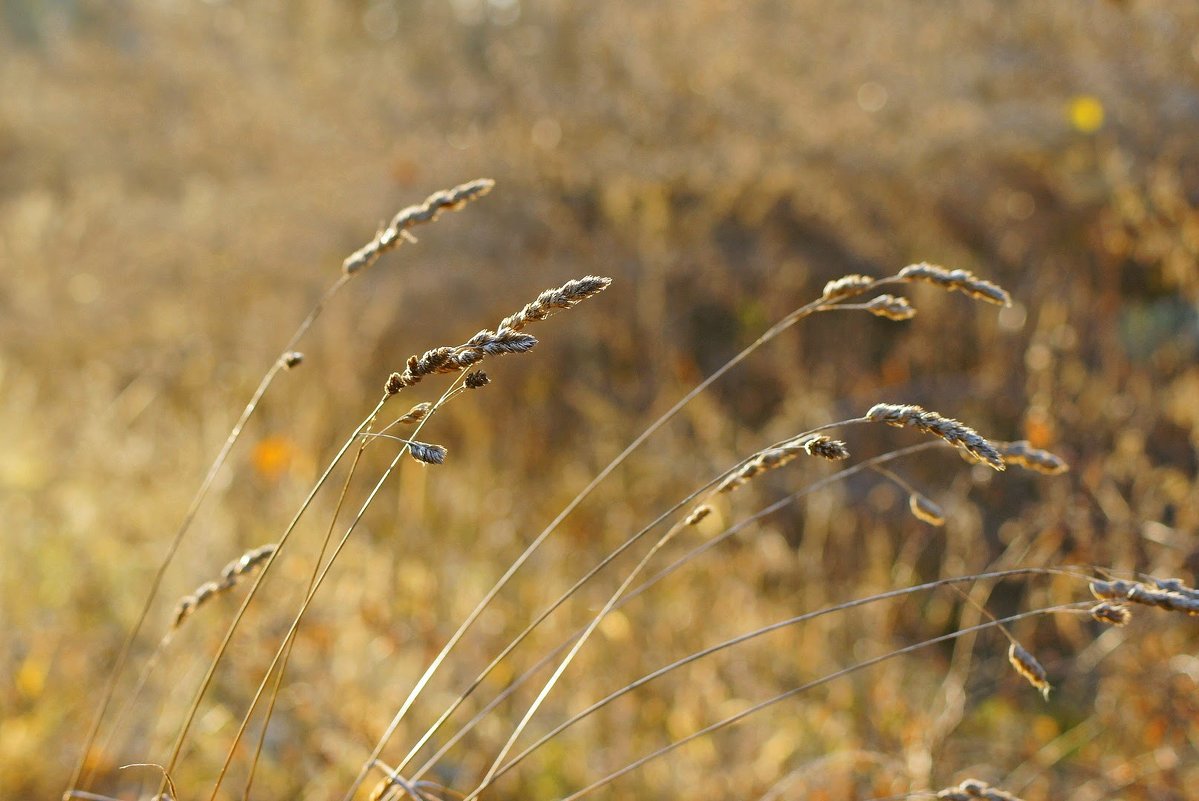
(211, 672)
(318, 580)
(807, 616)
(730, 720)
(189, 517)
(667, 571)
(628, 543)
(770, 334)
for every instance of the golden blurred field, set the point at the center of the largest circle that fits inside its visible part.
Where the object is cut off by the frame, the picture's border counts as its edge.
(180, 180)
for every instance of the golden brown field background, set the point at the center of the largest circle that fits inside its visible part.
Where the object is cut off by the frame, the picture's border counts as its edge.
(179, 180)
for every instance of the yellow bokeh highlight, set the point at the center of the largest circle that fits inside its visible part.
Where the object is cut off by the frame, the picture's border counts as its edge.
(1086, 114)
(272, 456)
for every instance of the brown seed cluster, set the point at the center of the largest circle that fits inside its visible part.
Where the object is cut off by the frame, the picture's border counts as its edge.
(476, 379)
(1027, 666)
(957, 281)
(772, 458)
(508, 338)
(231, 575)
(891, 308)
(1023, 454)
(397, 230)
(953, 432)
(846, 286)
(1110, 613)
(417, 413)
(1169, 594)
(973, 788)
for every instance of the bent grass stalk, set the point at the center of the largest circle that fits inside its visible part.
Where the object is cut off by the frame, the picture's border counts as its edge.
(771, 333)
(1075, 607)
(722, 480)
(506, 339)
(741, 638)
(287, 360)
(643, 587)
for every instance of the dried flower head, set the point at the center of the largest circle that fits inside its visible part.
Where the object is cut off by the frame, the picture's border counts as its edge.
(923, 508)
(426, 453)
(891, 308)
(957, 281)
(953, 432)
(476, 380)
(417, 413)
(1023, 454)
(697, 514)
(291, 359)
(1027, 666)
(397, 230)
(395, 382)
(846, 286)
(1110, 613)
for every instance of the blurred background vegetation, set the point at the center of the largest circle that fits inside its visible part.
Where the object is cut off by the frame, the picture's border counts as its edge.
(180, 179)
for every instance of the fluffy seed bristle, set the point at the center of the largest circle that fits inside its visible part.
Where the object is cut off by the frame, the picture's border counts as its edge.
(1022, 454)
(397, 230)
(291, 359)
(846, 287)
(426, 453)
(924, 509)
(957, 281)
(1110, 613)
(1027, 666)
(948, 429)
(417, 413)
(891, 308)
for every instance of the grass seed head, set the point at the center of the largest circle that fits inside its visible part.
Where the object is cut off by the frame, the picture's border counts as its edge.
(891, 308)
(1022, 454)
(1027, 666)
(962, 281)
(958, 434)
(847, 286)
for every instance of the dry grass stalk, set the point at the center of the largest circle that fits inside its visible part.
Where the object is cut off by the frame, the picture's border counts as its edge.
(397, 230)
(291, 359)
(1111, 613)
(957, 281)
(1169, 594)
(847, 286)
(1027, 666)
(231, 575)
(957, 434)
(1022, 454)
(973, 788)
(891, 308)
(923, 508)
(508, 338)
(773, 458)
